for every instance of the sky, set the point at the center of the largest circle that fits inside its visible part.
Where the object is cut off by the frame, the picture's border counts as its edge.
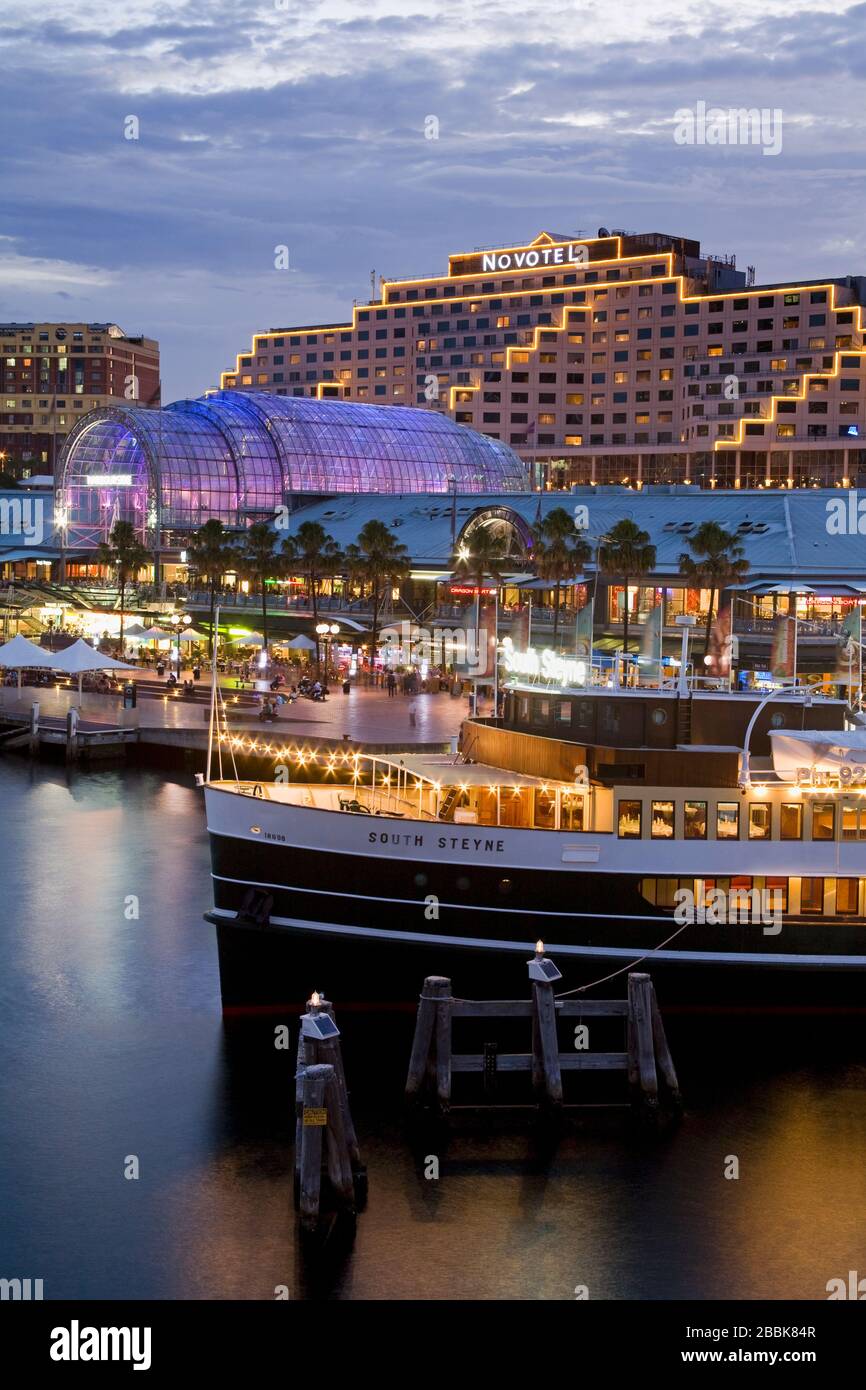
(309, 126)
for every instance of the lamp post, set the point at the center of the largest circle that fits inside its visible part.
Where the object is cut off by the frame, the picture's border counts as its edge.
(179, 622)
(327, 632)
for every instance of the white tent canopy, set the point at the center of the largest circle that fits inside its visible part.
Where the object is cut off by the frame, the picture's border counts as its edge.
(190, 634)
(251, 639)
(302, 643)
(81, 657)
(20, 653)
(157, 634)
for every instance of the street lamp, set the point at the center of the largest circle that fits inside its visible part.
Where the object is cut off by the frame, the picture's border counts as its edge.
(179, 622)
(326, 632)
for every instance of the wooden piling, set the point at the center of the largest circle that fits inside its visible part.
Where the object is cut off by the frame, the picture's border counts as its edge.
(545, 1014)
(435, 986)
(663, 1056)
(641, 1049)
(312, 1131)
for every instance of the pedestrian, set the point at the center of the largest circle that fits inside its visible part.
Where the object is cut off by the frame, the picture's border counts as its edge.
(392, 684)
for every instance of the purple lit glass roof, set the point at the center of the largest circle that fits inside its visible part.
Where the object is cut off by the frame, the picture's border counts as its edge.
(235, 452)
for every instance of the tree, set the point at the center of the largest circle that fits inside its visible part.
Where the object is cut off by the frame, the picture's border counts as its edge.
(378, 558)
(210, 555)
(560, 553)
(258, 561)
(124, 553)
(482, 556)
(717, 560)
(627, 555)
(314, 552)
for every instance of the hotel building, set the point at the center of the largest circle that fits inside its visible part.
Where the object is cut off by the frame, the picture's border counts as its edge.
(620, 358)
(52, 373)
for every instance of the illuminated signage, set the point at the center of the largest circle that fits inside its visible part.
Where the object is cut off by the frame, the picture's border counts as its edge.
(110, 480)
(572, 253)
(841, 775)
(470, 589)
(546, 665)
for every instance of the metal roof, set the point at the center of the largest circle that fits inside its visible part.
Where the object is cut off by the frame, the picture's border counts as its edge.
(784, 534)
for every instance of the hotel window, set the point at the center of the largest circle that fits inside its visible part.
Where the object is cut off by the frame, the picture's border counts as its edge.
(662, 825)
(759, 821)
(791, 825)
(695, 822)
(574, 440)
(629, 822)
(811, 895)
(503, 321)
(728, 820)
(823, 820)
(847, 894)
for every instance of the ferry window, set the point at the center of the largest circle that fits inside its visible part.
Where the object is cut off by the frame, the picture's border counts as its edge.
(777, 894)
(666, 889)
(823, 820)
(811, 895)
(629, 820)
(740, 898)
(847, 892)
(792, 821)
(563, 711)
(662, 820)
(648, 889)
(541, 712)
(545, 810)
(571, 812)
(853, 822)
(728, 820)
(695, 820)
(524, 707)
(759, 821)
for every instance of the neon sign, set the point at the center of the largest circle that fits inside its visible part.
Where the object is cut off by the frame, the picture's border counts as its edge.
(546, 665)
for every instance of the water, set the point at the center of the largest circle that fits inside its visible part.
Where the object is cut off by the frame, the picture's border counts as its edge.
(113, 1045)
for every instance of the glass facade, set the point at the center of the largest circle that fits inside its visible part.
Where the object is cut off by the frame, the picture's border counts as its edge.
(231, 454)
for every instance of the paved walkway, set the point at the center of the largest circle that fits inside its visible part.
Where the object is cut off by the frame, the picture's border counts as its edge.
(366, 715)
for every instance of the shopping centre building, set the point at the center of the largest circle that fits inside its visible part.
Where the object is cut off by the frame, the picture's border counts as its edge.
(619, 358)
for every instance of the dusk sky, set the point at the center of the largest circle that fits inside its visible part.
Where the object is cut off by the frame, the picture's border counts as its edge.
(304, 125)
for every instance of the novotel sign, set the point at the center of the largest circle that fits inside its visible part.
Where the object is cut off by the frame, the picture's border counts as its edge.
(569, 253)
(546, 665)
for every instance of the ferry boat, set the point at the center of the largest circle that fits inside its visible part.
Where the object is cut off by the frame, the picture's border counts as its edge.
(715, 838)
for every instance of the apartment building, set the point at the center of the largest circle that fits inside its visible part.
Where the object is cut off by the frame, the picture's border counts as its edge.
(52, 373)
(620, 358)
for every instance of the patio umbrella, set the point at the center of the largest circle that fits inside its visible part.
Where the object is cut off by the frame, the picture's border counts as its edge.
(20, 654)
(81, 657)
(302, 643)
(252, 639)
(189, 634)
(157, 634)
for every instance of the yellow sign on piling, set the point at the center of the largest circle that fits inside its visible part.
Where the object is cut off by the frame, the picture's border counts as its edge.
(315, 1116)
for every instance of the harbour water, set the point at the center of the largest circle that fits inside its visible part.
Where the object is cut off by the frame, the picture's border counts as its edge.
(113, 1047)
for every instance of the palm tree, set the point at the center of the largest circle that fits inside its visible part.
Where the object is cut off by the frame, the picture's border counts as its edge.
(560, 553)
(258, 561)
(627, 555)
(314, 552)
(210, 555)
(377, 559)
(482, 556)
(124, 553)
(717, 560)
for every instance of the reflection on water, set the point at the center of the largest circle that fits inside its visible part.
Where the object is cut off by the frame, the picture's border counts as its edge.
(113, 1045)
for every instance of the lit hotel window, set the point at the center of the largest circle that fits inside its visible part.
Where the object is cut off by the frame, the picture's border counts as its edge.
(574, 440)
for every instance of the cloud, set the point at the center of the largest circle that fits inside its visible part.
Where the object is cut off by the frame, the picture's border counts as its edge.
(303, 124)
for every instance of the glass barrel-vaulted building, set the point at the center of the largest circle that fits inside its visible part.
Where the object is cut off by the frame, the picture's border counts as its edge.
(238, 455)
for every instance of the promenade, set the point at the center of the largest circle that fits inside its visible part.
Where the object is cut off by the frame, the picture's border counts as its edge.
(364, 715)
